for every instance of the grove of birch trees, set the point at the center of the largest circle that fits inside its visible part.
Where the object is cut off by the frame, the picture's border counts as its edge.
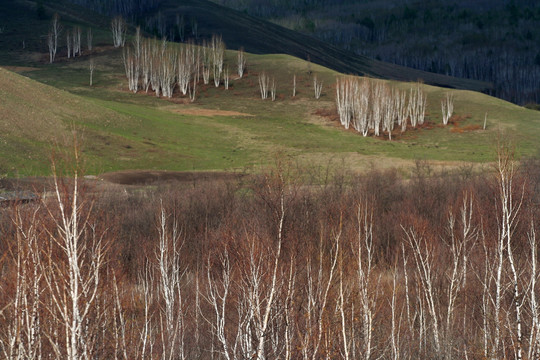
(160, 66)
(372, 106)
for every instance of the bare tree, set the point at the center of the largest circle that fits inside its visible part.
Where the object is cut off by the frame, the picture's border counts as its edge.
(146, 331)
(264, 304)
(311, 328)
(206, 74)
(534, 335)
(360, 106)
(118, 28)
(137, 44)
(131, 68)
(226, 78)
(317, 87)
(395, 334)
(185, 67)
(294, 86)
(69, 44)
(193, 91)
(145, 64)
(365, 263)
(89, 39)
(169, 63)
(417, 105)
(92, 67)
(423, 256)
(73, 281)
(52, 37)
(401, 109)
(510, 207)
(264, 83)
(344, 99)
(390, 113)
(21, 336)
(378, 106)
(447, 106)
(460, 246)
(171, 275)
(77, 49)
(273, 89)
(217, 49)
(217, 296)
(241, 62)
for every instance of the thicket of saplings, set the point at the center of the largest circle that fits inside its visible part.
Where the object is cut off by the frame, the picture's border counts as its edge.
(439, 265)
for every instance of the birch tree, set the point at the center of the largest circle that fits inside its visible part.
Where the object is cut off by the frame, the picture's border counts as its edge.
(118, 29)
(264, 84)
(423, 256)
(241, 62)
(52, 37)
(170, 278)
(89, 39)
(69, 43)
(509, 211)
(21, 336)
(447, 107)
(218, 297)
(312, 326)
(73, 282)
(273, 89)
(364, 276)
(460, 245)
(226, 78)
(534, 335)
(77, 33)
(92, 67)
(217, 47)
(317, 87)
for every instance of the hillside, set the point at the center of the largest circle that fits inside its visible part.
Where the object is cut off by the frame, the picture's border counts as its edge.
(494, 41)
(229, 129)
(223, 129)
(262, 37)
(37, 120)
(20, 23)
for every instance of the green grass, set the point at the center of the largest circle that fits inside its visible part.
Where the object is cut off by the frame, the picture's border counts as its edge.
(120, 130)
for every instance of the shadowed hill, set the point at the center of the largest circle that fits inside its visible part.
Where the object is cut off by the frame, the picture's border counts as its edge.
(262, 37)
(19, 23)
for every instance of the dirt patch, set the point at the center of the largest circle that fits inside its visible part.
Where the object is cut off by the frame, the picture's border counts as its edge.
(20, 69)
(146, 177)
(208, 112)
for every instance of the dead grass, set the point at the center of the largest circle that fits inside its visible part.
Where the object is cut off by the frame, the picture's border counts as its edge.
(20, 69)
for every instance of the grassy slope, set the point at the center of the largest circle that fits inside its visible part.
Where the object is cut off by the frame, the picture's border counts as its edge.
(120, 130)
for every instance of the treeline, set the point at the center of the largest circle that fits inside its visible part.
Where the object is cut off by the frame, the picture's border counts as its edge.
(128, 8)
(277, 265)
